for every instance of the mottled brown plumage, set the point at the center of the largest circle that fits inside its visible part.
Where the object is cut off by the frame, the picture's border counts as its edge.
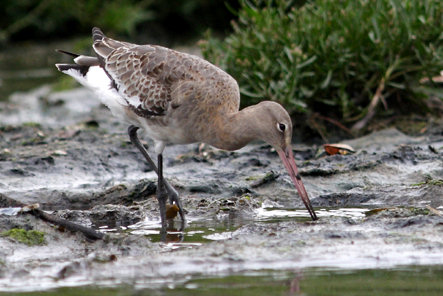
(164, 87)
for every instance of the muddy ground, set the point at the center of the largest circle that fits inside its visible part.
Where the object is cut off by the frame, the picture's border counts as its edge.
(379, 207)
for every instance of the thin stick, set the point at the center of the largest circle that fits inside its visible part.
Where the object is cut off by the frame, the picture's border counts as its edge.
(88, 232)
(27, 209)
(371, 109)
(334, 122)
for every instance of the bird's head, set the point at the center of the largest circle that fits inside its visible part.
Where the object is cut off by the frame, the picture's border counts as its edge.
(276, 130)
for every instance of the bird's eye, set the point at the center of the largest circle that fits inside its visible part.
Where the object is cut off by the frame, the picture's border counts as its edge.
(281, 127)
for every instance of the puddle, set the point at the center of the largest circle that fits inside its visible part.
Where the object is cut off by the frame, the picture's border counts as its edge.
(275, 214)
(196, 232)
(408, 280)
(199, 231)
(10, 211)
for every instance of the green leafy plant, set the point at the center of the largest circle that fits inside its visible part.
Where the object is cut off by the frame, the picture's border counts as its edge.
(53, 16)
(42, 19)
(338, 58)
(28, 237)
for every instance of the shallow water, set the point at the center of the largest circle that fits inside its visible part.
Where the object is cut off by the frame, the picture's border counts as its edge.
(198, 231)
(403, 281)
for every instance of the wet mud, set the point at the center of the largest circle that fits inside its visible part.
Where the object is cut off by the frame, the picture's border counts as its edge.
(379, 207)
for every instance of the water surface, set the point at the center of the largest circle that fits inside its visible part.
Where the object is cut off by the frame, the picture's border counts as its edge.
(404, 281)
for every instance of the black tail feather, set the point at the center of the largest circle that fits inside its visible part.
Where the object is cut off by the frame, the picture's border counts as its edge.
(74, 55)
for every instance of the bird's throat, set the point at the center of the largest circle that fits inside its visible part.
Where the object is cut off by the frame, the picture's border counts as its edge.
(235, 131)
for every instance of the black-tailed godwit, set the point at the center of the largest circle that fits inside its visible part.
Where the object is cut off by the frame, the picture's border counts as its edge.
(179, 98)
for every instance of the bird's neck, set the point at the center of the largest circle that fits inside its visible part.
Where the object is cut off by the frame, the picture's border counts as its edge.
(235, 130)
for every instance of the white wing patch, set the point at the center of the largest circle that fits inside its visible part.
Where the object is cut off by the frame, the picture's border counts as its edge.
(97, 80)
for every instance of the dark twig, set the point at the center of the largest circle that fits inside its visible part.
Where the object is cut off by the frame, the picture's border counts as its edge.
(371, 109)
(88, 232)
(334, 122)
(31, 209)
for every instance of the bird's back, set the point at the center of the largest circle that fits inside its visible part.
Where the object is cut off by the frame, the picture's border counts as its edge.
(154, 79)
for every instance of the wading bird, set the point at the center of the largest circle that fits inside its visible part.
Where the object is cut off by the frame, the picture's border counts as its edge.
(179, 98)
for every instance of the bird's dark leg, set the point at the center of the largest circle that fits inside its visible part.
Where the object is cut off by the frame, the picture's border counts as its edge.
(172, 193)
(132, 131)
(161, 192)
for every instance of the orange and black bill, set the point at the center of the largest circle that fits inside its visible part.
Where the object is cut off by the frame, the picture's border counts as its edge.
(288, 160)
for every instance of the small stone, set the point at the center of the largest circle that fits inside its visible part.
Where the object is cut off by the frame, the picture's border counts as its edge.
(59, 153)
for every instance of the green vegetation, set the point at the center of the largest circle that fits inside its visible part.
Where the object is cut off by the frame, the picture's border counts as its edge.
(339, 59)
(37, 19)
(398, 212)
(32, 124)
(430, 182)
(28, 237)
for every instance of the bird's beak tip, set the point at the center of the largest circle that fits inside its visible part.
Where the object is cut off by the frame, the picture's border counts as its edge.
(287, 157)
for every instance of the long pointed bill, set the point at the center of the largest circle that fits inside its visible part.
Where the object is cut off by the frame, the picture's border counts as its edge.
(288, 160)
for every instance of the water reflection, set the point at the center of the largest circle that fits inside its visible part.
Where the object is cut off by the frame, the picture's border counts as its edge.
(265, 213)
(404, 281)
(198, 231)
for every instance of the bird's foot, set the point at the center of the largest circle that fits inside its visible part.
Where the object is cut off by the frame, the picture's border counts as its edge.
(168, 212)
(175, 203)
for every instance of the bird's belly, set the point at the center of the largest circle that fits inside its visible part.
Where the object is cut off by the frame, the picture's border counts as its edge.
(167, 133)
